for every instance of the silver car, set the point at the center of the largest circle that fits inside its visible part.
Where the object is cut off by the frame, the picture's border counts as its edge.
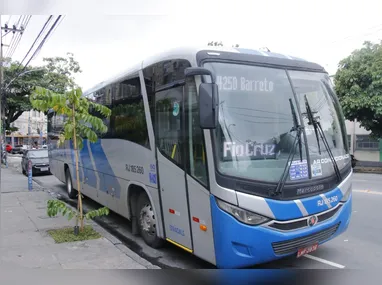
(39, 159)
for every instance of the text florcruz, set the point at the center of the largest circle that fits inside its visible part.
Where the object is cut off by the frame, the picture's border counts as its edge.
(248, 150)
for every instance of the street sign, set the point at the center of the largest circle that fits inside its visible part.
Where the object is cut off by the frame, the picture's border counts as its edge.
(30, 181)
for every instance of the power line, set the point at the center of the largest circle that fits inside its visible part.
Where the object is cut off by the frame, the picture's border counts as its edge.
(12, 39)
(54, 29)
(16, 39)
(38, 36)
(23, 25)
(42, 42)
(39, 47)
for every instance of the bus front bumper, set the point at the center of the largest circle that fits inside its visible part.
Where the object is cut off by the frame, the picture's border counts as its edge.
(238, 245)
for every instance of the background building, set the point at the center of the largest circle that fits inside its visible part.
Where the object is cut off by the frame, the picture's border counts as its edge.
(36, 121)
(361, 145)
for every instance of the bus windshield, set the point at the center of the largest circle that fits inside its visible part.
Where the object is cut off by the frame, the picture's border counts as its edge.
(255, 133)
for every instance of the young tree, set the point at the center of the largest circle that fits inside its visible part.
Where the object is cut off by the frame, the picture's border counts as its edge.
(79, 125)
(358, 83)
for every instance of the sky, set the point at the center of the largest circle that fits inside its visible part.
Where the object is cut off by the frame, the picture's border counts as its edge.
(109, 37)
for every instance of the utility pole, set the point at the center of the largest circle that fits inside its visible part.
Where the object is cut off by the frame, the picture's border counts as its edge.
(2, 90)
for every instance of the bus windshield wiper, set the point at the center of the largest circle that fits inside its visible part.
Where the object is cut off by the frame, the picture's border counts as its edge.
(318, 129)
(297, 141)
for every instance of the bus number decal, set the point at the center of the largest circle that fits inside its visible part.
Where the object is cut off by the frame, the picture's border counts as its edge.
(135, 169)
(329, 200)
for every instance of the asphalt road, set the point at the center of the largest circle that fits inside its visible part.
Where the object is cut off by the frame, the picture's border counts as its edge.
(358, 248)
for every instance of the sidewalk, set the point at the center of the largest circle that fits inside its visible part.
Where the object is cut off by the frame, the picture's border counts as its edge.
(25, 242)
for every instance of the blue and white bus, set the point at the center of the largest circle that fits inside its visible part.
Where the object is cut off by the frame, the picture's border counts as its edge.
(237, 156)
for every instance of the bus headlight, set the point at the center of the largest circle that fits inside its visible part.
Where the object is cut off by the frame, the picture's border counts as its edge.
(347, 195)
(242, 215)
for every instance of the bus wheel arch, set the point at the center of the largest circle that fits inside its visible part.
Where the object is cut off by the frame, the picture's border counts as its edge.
(142, 213)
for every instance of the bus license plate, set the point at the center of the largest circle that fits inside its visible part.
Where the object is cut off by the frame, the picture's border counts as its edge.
(44, 169)
(307, 250)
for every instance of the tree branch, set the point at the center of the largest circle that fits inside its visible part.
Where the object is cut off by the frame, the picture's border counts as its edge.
(16, 116)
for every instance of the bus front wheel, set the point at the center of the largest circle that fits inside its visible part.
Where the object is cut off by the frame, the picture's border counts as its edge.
(147, 223)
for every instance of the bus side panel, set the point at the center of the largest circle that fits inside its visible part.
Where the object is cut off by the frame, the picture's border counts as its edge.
(56, 160)
(120, 163)
(200, 210)
(89, 185)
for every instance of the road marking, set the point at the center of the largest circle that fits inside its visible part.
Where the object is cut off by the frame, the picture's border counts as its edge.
(368, 191)
(324, 261)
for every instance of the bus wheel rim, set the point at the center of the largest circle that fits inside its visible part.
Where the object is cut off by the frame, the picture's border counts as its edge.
(147, 220)
(69, 185)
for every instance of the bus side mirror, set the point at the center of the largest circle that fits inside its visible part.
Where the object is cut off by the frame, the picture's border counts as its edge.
(208, 98)
(208, 105)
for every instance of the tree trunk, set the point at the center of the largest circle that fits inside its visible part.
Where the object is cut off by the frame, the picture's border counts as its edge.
(79, 206)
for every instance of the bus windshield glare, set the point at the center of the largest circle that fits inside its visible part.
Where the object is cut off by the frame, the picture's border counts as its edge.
(255, 133)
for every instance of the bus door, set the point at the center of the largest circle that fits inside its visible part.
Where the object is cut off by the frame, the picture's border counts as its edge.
(169, 125)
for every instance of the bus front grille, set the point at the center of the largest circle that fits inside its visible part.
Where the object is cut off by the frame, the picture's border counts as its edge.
(293, 245)
(303, 223)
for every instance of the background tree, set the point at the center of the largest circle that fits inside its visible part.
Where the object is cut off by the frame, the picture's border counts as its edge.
(59, 76)
(16, 95)
(212, 43)
(79, 125)
(358, 83)
(56, 75)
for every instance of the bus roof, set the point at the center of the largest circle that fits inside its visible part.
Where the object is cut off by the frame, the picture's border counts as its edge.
(190, 53)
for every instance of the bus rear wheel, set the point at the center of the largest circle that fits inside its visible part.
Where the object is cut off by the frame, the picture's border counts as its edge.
(146, 222)
(69, 185)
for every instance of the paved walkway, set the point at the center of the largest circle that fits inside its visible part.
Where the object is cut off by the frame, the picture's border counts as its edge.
(25, 242)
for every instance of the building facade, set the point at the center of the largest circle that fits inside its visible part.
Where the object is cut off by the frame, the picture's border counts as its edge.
(33, 120)
(361, 145)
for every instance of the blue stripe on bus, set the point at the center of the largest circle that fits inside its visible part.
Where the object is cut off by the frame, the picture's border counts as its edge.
(287, 210)
(71, 150)
(107, 177)
(87, 165)
(284, 210)
(80, 163)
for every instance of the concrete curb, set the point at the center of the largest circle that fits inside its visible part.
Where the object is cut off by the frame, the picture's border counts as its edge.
(374, 170)
(115, 241)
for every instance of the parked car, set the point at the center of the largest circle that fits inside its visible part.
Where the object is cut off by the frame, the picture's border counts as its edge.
(39, 159)
(8, 148)
(18, 149)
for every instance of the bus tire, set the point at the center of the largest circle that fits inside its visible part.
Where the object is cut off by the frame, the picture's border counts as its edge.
(72, 194)
(147, 223)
